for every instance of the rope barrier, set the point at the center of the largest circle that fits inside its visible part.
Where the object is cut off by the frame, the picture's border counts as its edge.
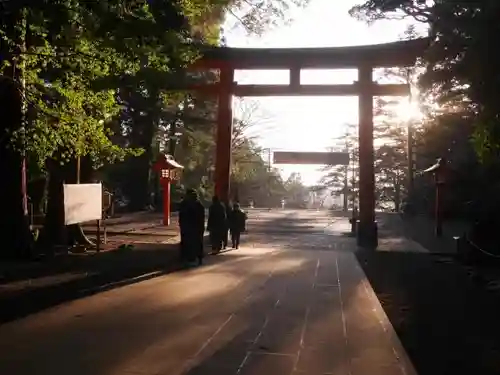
(480, 249)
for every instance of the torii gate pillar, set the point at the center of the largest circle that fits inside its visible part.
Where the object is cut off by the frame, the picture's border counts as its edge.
(367, 227)
(224, 134)
(363, 58)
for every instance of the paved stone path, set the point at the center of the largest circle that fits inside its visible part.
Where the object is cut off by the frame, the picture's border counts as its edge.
(260, 310)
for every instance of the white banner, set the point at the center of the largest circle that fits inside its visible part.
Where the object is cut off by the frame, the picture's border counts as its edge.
(82, 202)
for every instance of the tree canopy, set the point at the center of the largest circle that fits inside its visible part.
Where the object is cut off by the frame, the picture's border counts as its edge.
(461, 66)
(459, 85)
(85, 84)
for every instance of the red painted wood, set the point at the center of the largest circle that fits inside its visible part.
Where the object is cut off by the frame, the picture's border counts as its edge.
(305, 90)
(400, 53)
(166, 202)
(364, 58)
(224, 134)
(366, 152)
(321, 90)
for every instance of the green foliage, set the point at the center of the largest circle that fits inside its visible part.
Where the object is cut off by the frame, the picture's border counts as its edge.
(462, 63)
(66, 49)
(251, 177)
(97, 78)
(461, 78)
(296, 193)
(257, 16)
(390, 160)
(335, 176)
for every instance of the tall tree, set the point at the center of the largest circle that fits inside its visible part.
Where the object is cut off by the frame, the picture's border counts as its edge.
(343, 179)
(72, 71)
(390, 159)
(461, 70)
(148, 114)
(297, 193)
(257, 16)
(58, 57)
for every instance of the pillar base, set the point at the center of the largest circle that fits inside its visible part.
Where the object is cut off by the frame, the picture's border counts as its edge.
(367, 234)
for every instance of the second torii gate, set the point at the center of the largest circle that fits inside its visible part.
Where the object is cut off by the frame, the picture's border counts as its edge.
(363, 58)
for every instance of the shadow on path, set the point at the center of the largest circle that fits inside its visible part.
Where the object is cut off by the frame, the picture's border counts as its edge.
(448, 324)
(76, 276)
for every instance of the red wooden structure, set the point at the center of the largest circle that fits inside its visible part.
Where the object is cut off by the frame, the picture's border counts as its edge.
(364, 58)
(169, 171)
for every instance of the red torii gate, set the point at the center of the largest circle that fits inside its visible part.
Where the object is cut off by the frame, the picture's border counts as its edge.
(364, 58)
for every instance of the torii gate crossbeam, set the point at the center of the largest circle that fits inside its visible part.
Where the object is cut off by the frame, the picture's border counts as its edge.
(362, 58)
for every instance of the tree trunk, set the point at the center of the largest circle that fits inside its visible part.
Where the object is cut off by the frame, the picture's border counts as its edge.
(172, 138)
(14, 221)
(36, 191)
(397, 195)
(137, 185)
(55, 233)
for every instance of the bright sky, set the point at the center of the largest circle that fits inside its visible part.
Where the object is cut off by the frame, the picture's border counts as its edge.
(310, 123)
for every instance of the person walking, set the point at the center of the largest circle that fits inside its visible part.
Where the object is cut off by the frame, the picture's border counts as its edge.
(225, 230)
(216, 223)
(237, 224)
(192, 227)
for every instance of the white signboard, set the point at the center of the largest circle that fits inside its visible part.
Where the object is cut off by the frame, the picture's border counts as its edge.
(82, 202)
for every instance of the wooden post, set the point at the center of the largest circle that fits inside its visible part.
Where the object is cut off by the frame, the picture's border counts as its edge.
(295, 77)
(104, 233)
(367, 231)
(24, 188)
(166, 201)
(98, 239)
(224, 135)
(78, 167)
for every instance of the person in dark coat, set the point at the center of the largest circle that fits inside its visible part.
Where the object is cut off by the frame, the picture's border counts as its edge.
(225, 234)
(216, 223)
(192, 227)
(237, 224)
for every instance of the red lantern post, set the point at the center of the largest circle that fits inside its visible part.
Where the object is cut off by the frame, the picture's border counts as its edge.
(169, 171)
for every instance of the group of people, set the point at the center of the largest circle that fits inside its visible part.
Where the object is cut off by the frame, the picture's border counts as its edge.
(222, 220)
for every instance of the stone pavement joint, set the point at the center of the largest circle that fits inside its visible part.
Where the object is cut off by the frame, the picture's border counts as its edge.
(356, 341)
(266, 310)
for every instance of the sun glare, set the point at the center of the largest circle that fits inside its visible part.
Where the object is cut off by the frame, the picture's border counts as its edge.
(407, 110)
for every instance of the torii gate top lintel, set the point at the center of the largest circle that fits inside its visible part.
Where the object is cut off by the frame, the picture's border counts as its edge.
(394, 54)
